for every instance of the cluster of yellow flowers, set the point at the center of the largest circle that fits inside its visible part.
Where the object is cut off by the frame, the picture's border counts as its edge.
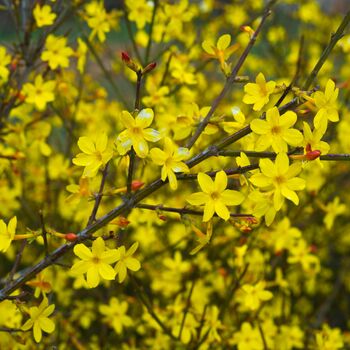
(102, 154)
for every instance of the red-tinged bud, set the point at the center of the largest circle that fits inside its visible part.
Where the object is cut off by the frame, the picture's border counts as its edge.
(125, 57)
(312, 155)
(251, 220)
(278, 252)
(14, 64)
(149, 67)
(162, 217)
(313, 248)
(21, 97)
(308, 148)
(122, 221)
(136, 185)
(245, 229)
(130, 63)
(223, 272)
(71, 237)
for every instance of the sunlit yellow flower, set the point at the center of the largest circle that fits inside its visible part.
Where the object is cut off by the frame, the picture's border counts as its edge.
(253, 295)
(276, 131)
(7, 233)
(39, 319)
(97, 20)
(171, 160)
(281, 177)
(115, 314)
(5, 59)
(258, 94)
(215, 197)
(96, 153)
(126, 261)
(96, 263)
(43, 15)
(137, 133)
(326, 102)
(39, 93)
(56, 53)
(222, 50)
(139, 11)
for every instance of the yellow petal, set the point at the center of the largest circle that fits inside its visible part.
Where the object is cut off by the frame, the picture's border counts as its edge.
(224, 42)
(205, 182)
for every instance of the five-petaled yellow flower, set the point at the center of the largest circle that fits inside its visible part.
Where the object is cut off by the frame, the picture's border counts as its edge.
(56, 53)
(254, 295)
(281, 177)
(39, 319)
(171, 160)
(222, 51)
(126, 261)
(39, 93)
(96, 154)
(7, 233)
(276, 131)
(43, 15)
(137, 132)
(5, 59)
(215, 197)
(96, 263)
(326, 102)
(258, 94)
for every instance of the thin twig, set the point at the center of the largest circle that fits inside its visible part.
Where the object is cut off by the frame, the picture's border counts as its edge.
(99, 195)
(231, 78)
(183, 211)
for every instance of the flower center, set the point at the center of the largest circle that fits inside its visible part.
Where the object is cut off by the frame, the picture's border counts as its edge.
(275, 130)
(280, 179)
(215, 195)
(96, 260)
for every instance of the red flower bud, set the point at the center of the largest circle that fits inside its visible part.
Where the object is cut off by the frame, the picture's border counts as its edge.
(125, 57)
(162, 217)
(122, 221)
(71, 237)
(308, 148)
(312, 155)
(313, 248)
(136, 185)
(149, 67)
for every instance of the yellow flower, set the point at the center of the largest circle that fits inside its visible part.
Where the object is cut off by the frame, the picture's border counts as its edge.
(96, 263)
(215, 196)
(139, 11)
(248, 338)
(171, 160)
(329, 339)
(313, 138)
(333, 209)
(300, 254)
(115, 314)
(5, 59)
(56, 52)
(326, 102)
(97, 20)
(39, 320)
(137, 132)
(276, 131)
(81, 55)
(258, 94)
(126, 261)
(43, 15)
(281, 177)
(222, 51)
(7, 233)
(254, 295)
(96, 153)
(39, 93)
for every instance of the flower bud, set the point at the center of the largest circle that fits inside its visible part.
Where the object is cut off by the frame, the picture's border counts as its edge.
(312, 155)
(71, 237)
(149, 67)
(136, 185)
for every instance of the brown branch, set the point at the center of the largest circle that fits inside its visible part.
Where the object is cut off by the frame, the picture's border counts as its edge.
(183, 211)
(231, 78)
